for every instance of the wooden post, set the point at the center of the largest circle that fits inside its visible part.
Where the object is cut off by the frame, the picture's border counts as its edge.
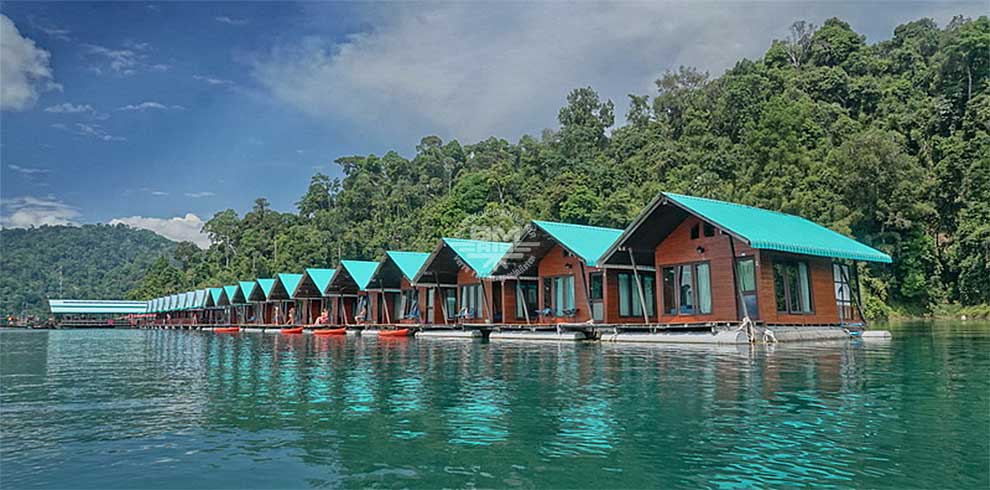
(639, 287)
(587, 291)
(443, 300)
(388, 317)
(854, 292)
(484, 301)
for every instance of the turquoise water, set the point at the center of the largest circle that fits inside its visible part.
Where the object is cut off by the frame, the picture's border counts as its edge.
(172, 409)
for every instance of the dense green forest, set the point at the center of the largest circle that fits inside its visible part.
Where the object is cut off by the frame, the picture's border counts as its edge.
(90, 261)
(886, 142)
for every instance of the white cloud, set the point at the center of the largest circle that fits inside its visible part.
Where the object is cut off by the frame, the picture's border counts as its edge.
(234, 22)
(196, 195)
(213, 80)
(149, 105)
(159, 193)
(69, 108)
(51, 31)
(184, 228)
(26, 211)
(90, 130)
(25, 70)
(471, 70)
(27, 170)
(121, 61)
(160, 67)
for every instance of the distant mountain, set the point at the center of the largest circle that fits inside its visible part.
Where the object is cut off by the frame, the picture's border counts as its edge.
(94, 262)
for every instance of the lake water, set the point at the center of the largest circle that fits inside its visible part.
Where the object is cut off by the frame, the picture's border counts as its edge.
(171, 409)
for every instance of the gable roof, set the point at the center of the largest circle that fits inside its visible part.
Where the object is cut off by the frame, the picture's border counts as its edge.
(408, 262)
(247, 287)
(762, 229)
(360, 270)
(215, 294)
(289, 282)
(199, 298)
(266, 286)
(587, 242)
(321, 278)
(230, 292)
(77, 306)
(481, 256)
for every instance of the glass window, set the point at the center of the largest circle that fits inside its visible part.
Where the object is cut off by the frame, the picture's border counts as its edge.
(471, 299)
(597, 288)
(450, 298)
(629, 297)
(792, 287)
(685, 281)
(526, 296)
(694, 232)
(669, 288)
(561, 294)
(704, 289)
(746, 273)
(709, 230)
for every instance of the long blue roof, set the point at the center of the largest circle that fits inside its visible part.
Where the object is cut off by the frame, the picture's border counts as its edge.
(587, 242)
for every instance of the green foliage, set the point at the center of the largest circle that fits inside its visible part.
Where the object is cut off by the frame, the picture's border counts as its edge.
(888, 143)
(90, 261)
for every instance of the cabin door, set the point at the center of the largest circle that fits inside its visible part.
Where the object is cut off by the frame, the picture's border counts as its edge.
(596, 292)
(746, 275)
(843, 292)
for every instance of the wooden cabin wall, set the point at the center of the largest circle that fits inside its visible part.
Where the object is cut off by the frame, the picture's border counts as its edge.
(610, 287)
(557, 263)
(509, 304)
(824, 307)
(679, 248)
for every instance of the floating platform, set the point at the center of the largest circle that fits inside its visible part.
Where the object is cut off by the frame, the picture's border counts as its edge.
(730, 335)
(564, 336)
(450, 334)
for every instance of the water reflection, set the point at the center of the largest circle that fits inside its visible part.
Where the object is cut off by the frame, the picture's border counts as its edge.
(186, 409)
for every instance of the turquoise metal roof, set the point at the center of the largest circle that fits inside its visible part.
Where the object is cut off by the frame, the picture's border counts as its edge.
(290, 282)
(266, 286)
(772, 230)
(587, 242)
(408, 262)
(360, 270)
(231, 292)
(181, 303)
(215, 293)
(200, 298)
(480, 256)
(190, 299)
(106, 307)
(247, 287)
(321, 277)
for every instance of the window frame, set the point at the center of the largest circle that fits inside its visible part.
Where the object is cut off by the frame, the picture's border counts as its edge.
(787, 263)
(694, 289)
(634, 293)
(550, 287)
(521, 288)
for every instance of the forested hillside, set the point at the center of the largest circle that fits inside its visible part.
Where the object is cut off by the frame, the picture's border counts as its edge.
(886, 142)
(88, 262)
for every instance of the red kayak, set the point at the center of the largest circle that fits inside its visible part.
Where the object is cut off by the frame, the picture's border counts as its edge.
(402, 332)
(227, 330)
(330, 331)
(292, 330)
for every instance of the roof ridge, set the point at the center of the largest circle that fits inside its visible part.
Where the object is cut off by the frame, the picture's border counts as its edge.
(576, 225)
(735, 204)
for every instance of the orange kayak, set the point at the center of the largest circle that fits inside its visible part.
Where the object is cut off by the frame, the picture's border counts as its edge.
(330, 331)
(292, 330)
(227, 330)
(402, 332)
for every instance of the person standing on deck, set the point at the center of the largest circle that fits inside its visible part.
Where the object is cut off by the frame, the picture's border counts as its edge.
(291, 318)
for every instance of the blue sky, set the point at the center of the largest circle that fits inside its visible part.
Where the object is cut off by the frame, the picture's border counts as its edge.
(161, 114)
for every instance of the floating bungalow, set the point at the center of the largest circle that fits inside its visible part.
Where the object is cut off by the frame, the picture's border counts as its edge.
(348, 289)
(395, 300)
(688, 269)
(461, 271)
(725, 264)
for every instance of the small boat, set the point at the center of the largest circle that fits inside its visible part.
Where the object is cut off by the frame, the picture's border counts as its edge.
(402, 332)
(227, 330)
(292, 330)
(330, 331)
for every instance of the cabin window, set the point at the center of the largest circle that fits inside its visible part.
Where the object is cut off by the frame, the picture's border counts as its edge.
(629, 299)
(471, 299)
(527, 300)
(596, 286)
(694, 232)
(410, 304)
(792, 287)
(450, 302)
(709, 230)
(687, 289)
(746, 275)
(559, 295)
(843, 290)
